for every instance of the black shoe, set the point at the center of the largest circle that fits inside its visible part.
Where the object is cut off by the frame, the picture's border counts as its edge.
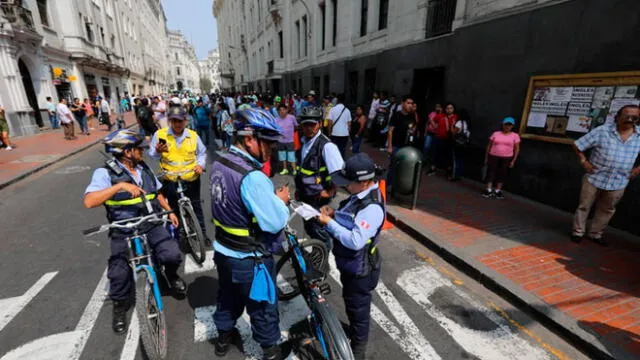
(489, 194)
(223, 341)
(359, 350)
(207, 242)
(272, 353)
(599, 241)
(120, 316)
(576, 238)
(499, 195)
(175, 281)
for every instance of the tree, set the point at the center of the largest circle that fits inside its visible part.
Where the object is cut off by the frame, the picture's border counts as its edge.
(205, 85)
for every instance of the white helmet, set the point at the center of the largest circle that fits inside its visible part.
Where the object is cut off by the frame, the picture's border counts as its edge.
(175, 101)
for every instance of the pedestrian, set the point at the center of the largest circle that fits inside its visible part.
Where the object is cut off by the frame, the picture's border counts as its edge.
(4, 131)
(51, 111)
(145, 115)
(65, 117)
(442, 139)
(105, 113)
(614, 151)
(461, 138)
(339, 123)
(90, 115)
(373, 108)
(428, 146)
(402, 128)
(501, 155)
(286, 153)
(378, 138)
(203, 121)
(80, 115)
(355, 229)
(327, 105)
(159, 109)
(358, 124)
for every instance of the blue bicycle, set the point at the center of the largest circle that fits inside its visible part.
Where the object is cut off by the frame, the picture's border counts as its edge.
(149, 306)
(302, 270)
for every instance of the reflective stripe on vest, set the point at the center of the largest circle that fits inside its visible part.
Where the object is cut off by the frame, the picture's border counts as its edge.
(311, 172)
(234, 231)
(127, 202)
(179, 158)
(373, 249)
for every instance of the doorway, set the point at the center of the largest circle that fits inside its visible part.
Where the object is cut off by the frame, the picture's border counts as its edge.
(30, 91)
(428, 89)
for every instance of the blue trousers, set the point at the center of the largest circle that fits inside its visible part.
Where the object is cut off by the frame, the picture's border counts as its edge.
(204, 133)
(53, 119)
(355, 144)
(165, 249)
(235, 277)
(356, 292)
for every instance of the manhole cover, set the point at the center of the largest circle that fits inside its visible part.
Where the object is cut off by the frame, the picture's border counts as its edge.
(37, 158)
(73, 169)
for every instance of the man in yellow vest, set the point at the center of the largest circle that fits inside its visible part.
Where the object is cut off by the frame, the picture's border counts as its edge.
(180, 149)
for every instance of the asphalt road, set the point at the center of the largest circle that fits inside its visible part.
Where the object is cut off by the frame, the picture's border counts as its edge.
(52, 299)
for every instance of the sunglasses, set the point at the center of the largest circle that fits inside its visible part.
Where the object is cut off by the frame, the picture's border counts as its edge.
(633, 118)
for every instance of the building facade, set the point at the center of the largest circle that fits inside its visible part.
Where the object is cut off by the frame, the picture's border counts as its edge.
(95, 50)
(479, 54)
(210, 69)
(185, 71)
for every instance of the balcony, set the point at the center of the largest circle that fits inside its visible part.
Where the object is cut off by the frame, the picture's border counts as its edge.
(440, 15)
(20, 18)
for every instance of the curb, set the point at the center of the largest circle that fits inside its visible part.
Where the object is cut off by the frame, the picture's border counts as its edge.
(546, 319)
(37, 169)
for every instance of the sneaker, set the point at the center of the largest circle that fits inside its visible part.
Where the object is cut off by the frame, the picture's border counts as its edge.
(488, 194)
(284, 172)
(8, 148)
(294, 173)
(499, 195)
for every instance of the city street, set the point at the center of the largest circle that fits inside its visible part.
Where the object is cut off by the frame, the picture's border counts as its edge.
(52, 302)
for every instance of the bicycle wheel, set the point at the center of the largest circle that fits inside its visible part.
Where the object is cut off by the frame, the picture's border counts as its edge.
(331, 332)
(193, 234)
(288, 280)
(153, 328)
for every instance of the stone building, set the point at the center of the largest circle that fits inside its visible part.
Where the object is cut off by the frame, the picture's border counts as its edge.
(185, 71)
(210, 69)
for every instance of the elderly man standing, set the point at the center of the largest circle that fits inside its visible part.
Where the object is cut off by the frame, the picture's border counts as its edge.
(614, 150)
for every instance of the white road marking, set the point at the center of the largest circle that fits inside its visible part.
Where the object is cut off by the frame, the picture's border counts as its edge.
(133, 338)
(10, 307)
(409, 339)
(500, 343)
(68, 345)
(192, 267)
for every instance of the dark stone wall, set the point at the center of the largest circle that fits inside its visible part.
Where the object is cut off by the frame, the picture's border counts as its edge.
(488, 67)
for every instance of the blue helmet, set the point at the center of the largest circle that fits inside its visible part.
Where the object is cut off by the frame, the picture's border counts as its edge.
(257, 122)
(120, 140)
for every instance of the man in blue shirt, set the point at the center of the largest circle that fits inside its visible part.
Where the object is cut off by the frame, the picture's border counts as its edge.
(203, 121)
(249, 216)
(355, 228)
(614, 151)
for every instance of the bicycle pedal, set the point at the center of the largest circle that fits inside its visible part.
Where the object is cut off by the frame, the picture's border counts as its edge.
(325, 289)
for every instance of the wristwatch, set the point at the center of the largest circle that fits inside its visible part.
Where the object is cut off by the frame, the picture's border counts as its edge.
(583, 161)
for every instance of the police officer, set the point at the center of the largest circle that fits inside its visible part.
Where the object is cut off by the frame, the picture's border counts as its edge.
(355, 228)
(118, 186)
(318, 158)
(181, 149)
(249, 216)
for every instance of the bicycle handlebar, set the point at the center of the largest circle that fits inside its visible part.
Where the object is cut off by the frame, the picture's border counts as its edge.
(130, 223)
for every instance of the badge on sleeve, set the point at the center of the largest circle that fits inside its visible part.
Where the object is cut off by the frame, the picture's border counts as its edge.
(365, 225)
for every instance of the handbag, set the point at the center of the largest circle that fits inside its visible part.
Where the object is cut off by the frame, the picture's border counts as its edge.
(462, 137)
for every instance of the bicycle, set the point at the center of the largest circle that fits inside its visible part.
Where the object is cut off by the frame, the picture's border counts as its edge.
(149, 306)
(190, 230)
(323, 321)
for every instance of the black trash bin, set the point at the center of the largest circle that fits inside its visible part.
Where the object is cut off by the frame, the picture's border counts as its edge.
(407, 169)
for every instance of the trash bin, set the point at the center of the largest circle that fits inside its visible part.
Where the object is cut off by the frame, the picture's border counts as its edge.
(407, 167)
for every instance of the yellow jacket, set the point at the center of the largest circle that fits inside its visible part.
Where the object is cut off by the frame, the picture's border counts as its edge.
(179, 158)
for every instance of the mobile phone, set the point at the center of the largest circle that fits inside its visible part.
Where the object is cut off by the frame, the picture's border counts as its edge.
(163, 141)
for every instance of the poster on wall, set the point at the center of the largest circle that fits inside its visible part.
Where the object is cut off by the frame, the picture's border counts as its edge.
(626, 92)
(561, 94)
(537, 120)
(583, 94)
(580, 124)
(550, 107)
(579, 108)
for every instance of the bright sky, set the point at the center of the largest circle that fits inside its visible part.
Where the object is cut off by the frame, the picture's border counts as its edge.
(195, 19)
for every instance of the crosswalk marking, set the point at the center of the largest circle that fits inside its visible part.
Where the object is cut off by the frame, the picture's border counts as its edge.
(133, 338)
(192, 267)
(497, 344)
(10, 307)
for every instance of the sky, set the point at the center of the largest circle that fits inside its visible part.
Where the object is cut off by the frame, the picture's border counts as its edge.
(195, 19)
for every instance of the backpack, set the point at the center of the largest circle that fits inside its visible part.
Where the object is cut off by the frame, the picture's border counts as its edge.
(463, 137)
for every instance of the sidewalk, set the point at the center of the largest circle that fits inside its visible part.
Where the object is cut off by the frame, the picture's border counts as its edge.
(521, 249)
(36, 152)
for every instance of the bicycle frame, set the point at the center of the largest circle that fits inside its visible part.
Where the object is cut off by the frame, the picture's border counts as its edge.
(137, 248)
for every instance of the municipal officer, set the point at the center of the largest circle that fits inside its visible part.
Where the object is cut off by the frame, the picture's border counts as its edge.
(355, 228)
(249, 216)
(119, 186)
(318, 158)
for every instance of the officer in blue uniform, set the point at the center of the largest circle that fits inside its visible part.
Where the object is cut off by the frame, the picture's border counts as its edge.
(119, 186)
(355, 228)
(249, 216)
(318, 159)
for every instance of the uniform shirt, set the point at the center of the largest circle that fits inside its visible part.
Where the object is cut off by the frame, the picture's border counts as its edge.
(360, 229)
(102, 180)
(201, 150)
(341, 117)
(330, 153)
(613, 158)
(258, 195)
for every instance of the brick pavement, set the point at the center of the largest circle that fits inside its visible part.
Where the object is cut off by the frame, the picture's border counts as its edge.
(522, 246)
(35, 152)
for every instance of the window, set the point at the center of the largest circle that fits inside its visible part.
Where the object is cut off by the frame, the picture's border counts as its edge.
(113, 41)
(323, 10)
(280, 39)
(335, 21)
(44, 14)
(304, 33)
(87, 26)
(384, 14)
(176, 54)
(298, 39)
(440, 15)
(178, 70)
(102, 35)
(364, 12)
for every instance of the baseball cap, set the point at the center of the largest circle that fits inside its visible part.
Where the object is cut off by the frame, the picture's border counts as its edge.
(359, 167)
(177, 113)
(312, 92)
(509, 120)
(310, 114)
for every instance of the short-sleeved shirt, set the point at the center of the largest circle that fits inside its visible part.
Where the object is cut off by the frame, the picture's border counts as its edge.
(612, 157)
(503, 144)
(288, 125)
(403, 125)
(341, 117)
(62, 113)
(102, 180)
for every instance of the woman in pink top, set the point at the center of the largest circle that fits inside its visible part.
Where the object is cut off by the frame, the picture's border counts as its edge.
(501, 155)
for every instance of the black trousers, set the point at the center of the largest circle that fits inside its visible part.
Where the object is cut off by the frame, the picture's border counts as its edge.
(356, 292)
(192, 191)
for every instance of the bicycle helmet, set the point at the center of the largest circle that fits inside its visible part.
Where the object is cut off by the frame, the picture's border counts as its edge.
(277, 99)
(257, 122)
(120, 140)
